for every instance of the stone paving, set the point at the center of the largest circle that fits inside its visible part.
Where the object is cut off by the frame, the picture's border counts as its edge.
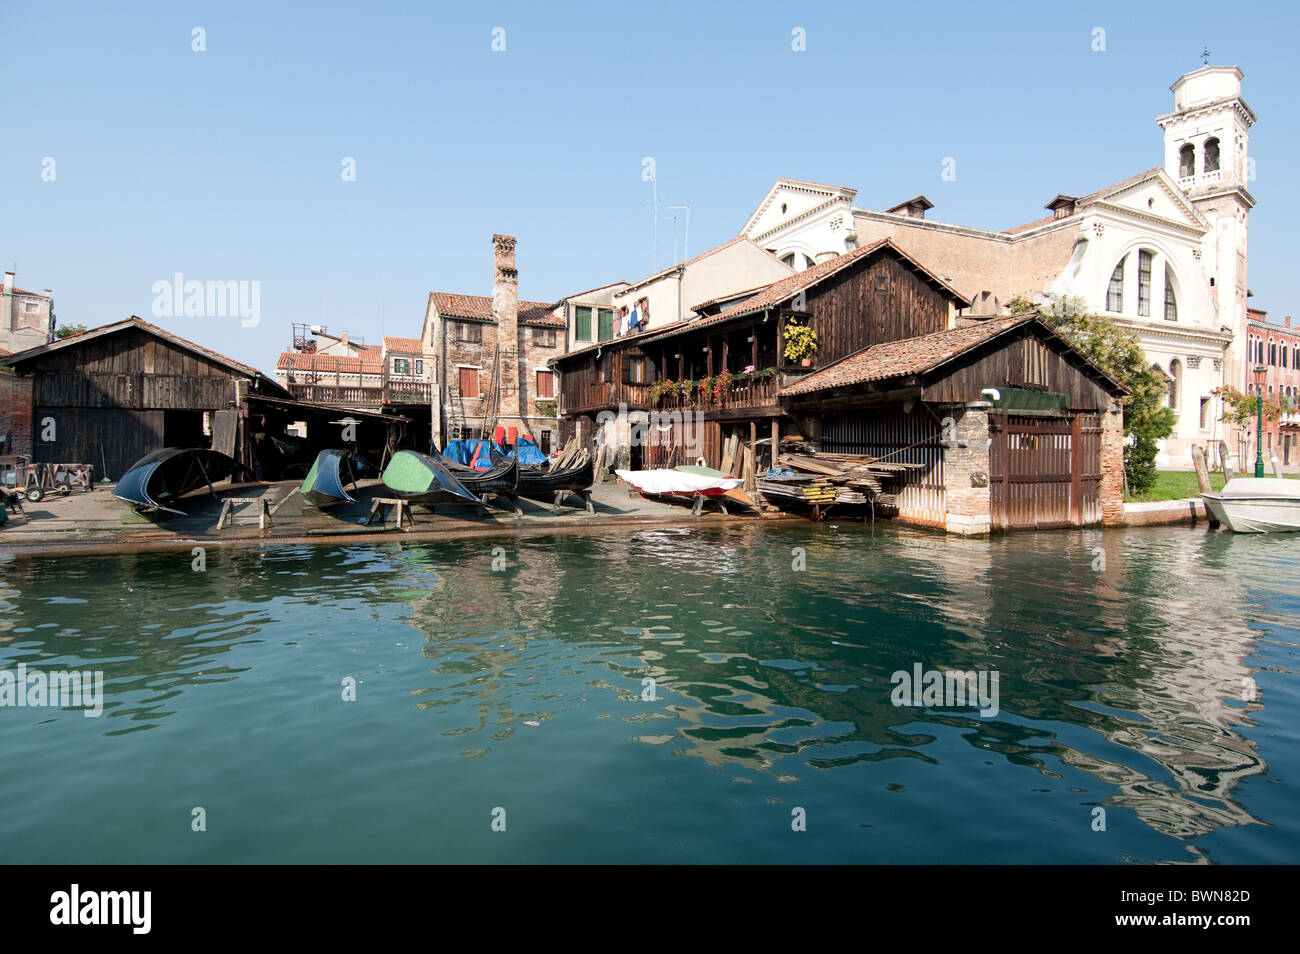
(98, 521)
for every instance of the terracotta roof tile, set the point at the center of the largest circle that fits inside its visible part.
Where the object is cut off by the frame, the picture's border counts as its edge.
(784, 289)
(404, 345)
(479, 307)
(368, 363)
(20, 291)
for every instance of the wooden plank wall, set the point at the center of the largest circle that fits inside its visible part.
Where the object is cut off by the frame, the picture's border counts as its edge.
(883, 300)
(98, 435)
(1027, 362)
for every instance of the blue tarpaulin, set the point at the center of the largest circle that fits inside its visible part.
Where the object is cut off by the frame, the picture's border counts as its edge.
(474, 454)
(477, 453)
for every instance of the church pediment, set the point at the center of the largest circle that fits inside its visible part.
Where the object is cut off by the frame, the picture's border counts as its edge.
(789, 199)
(1152, 195)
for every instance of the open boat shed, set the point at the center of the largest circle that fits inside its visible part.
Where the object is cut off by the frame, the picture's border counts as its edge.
(113, 394)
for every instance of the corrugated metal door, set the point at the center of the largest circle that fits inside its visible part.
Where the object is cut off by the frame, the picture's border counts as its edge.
(899, 438)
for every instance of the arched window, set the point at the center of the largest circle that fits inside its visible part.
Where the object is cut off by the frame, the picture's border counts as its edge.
(1171, 303)
(1144, 284)
(1187, 161)
(1115, 293)
(1272, 351)
(1211, 155)
(1175, 382)
(788, 259)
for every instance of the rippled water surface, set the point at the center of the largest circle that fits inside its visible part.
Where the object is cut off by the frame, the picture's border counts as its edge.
(1160, 687)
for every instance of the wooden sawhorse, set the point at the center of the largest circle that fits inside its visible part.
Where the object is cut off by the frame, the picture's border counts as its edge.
(380, 505)
(263, 511)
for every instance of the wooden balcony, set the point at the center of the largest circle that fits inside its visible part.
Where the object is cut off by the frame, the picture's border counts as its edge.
(393, 392)
(758, 393)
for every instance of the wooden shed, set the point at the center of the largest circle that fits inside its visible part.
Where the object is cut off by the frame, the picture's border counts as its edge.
(110, 395)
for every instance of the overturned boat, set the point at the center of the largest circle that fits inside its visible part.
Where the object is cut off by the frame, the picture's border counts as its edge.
(1256, 505)
(323, 485)
(501, 480)
(426, 480)
(686, 483)
(157, 481)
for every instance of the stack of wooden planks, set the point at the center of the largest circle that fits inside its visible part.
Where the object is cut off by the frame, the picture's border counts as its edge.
(849, 479)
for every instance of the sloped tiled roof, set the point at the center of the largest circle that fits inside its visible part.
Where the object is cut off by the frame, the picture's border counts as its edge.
(370, 362)
(403, 345)
(479, 308)
(20, 291)
(1084, 200)
(893, 359)
(134, 322)
(784, 289)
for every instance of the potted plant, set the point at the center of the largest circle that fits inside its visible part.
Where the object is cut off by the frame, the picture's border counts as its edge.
(800, 343)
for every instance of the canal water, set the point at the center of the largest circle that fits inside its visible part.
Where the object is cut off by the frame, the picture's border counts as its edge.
(664, 695)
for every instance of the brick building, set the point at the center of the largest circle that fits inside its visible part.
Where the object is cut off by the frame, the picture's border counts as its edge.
(488, 357)
(1276, 348)
(26, 317)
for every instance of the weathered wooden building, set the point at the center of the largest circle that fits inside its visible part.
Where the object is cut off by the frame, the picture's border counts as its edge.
(933, 379)
(110, 395)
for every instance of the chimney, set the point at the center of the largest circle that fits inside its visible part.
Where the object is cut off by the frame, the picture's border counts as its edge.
(505, 309)
(7, 303)
(1288, 321)
(9, 282)
(343, 339)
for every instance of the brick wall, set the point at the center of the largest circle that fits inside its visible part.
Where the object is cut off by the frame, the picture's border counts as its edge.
(967, 505)
(20, 414)
(1112, 467)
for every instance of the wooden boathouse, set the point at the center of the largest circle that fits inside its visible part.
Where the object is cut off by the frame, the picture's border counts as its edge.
(1006, 426)
(113, 394)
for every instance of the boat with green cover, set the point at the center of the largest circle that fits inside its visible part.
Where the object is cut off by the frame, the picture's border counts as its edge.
(426, 480)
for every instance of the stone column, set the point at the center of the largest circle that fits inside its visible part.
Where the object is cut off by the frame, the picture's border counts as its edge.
(966, 470)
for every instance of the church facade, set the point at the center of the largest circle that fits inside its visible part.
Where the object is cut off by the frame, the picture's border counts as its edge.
(1162, 253)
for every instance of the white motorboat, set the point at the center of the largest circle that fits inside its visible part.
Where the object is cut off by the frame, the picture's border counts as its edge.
(1256, 505)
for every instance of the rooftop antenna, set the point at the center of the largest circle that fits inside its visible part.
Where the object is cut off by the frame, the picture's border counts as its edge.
(686, 242)
(674, 221)
(654, 218)
(1205, 56)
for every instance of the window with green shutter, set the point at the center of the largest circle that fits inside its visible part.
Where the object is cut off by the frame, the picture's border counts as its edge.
(581, 324)
(606, 324)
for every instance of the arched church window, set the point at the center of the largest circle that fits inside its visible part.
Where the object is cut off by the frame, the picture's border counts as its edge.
(1187, 161)
(1211, 155)
(788, 259)
(1171, 303)
(1115, 293)
(1144, 284)
(1175, 382)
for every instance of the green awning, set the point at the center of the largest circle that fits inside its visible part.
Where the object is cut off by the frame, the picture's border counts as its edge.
(1031, 403)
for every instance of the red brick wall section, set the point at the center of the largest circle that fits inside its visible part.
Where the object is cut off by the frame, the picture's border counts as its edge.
(1112, 468)
(20, 416)
(968, 508)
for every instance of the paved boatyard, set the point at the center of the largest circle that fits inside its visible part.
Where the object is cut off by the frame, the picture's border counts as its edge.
(99, 522)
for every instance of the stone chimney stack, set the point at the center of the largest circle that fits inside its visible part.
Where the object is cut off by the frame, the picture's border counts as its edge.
(9, 281)
(505, 309)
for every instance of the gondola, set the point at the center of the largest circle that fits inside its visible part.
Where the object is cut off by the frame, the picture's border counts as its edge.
(540, 482)
(157, 480)
(426, 480)
(323, 485)
(501, 481)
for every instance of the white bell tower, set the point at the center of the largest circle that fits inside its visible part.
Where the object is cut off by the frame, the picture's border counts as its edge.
(1207, 139)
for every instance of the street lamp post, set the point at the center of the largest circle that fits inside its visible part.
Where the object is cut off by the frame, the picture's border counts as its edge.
(1260, 372)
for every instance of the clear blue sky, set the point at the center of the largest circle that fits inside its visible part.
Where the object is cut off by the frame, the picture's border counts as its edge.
(225, 164)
